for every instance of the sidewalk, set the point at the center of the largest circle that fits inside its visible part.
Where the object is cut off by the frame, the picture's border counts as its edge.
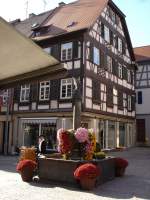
(135, 184)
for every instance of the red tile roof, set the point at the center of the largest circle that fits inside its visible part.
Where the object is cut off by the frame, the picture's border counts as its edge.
(142, 53)
(74, 16)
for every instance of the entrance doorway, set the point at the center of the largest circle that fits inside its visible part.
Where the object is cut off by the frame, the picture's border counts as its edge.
(140, 125)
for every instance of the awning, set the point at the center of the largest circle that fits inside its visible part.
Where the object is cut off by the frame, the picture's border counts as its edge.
(22, 60)
(38, 120)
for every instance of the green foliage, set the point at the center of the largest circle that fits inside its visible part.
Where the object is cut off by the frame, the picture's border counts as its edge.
(99, 155)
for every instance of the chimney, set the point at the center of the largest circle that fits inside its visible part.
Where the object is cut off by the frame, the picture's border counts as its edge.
(61, 4)
(31, 15)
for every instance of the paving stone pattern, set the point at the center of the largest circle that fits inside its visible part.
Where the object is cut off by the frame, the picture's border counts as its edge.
(134, 185)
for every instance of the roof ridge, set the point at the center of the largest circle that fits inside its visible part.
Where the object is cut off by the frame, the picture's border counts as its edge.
(142, 46)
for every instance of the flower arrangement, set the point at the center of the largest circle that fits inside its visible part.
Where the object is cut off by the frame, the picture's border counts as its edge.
(121, 163)
(82, 139)
(88, 170)
(65, 141)
(26, 164)
(27, 153)
(91, 145)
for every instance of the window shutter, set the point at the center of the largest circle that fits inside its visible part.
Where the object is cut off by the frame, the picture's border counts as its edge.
(114, 67)
(56, 51)
(96, 91)
(120, 100)
(109, 95)
(124, 73)
(116, 42)
(123, 48)
(102, 30)
(102, 60)
(16, 96)
(133, 103)
(55, 89)
(75, 49)
(34, 91)
(111, 37)
(91, 53)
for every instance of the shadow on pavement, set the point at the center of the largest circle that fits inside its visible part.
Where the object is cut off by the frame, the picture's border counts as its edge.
(8, 163)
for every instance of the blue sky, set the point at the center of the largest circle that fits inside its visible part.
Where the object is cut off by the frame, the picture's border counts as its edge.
(137, 12)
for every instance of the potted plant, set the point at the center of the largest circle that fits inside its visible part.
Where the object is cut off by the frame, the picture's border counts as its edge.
(86, 174)
(26, 169)
(120, 166)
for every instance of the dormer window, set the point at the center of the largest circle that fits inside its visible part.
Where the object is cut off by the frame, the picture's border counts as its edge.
(66, 51)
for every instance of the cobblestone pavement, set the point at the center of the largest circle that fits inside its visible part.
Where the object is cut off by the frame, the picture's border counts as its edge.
(134, 185)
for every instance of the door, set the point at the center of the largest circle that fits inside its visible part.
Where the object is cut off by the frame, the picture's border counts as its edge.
(140, 124)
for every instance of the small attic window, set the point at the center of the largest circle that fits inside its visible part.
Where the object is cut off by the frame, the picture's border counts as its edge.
(71, 24)
(35, 25)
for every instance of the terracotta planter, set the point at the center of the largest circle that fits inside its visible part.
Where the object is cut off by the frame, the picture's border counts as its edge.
(120, 171)
(87, 183)
(27, 174)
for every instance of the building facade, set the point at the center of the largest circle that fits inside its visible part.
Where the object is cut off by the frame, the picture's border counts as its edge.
(94, 45)
(142, 55)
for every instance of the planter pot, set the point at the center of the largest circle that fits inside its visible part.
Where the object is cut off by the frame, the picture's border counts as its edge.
(87, 183)
(27, 174)
(120, 171)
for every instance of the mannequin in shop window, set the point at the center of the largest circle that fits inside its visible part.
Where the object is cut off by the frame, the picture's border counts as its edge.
(42, 144)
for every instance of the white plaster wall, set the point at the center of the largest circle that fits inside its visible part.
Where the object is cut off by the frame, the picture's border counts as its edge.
(144, 108)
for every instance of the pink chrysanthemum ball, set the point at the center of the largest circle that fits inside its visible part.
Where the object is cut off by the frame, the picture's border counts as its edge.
(81, 135)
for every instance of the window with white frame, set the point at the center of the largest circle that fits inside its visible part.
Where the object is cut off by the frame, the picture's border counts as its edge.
(44, 92)
(96, 56)
(25, 93)
(48, 50)
(106, 34)
(129, 102)
(109, 63)
(120, 70)
(128, 76)
(66, 51)
(119, 45)
(66, 88)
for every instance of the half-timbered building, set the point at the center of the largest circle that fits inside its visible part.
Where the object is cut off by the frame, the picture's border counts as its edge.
(92, 40)
(142, 55)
